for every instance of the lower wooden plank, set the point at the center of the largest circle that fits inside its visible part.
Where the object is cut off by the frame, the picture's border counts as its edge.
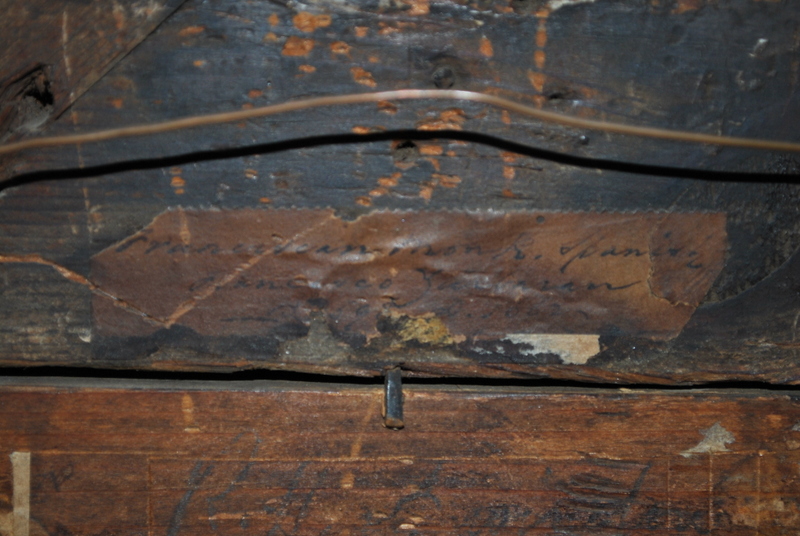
(280, 459)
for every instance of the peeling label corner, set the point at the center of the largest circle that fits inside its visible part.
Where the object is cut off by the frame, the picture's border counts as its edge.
(572, 349)
(715, 439)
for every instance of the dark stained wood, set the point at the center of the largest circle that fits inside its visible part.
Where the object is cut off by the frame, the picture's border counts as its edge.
(729, 69)
(289, 459)
(53, 51)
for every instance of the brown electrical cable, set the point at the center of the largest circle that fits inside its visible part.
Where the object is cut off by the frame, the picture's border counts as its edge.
(400, 94)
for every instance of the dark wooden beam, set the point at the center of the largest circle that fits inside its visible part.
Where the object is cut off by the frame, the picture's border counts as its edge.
(71, 296)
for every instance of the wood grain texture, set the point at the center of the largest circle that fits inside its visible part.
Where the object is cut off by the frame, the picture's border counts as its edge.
(728, 69)
(54, 51)
(282, 459)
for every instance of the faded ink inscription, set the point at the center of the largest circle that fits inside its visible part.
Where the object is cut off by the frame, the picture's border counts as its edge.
(483, 275)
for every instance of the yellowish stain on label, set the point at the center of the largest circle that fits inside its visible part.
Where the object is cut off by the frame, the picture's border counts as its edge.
(425, 329)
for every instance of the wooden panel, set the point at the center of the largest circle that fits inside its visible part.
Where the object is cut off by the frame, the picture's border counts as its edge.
(281, 459)
(729, 69)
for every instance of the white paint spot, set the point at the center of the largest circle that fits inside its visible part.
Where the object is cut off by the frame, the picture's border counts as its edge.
(572, 349)
(796, 427)
(555, 5)
(146, 9)
(759, 47)
(715, 439)
(64, 41)
(85, 335)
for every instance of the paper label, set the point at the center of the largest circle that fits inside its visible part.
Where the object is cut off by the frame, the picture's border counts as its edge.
(469, 275)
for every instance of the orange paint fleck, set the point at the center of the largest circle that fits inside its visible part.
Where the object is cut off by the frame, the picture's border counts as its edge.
(509, 157)
(387, 107)
(431, 150)
(255, 93)
(297, 46)
(192, 30)
(537, 80)
(308, 22)
(543, 13)
(451, 153)
(486, 47)
(274, 20)
(362, 77)
(177, 182)
(687, 5)
(251, 173)
(179, 191)
(434, 162)
(340, 47)
(264, 200)
(451, 119)
(588, 92)
(404, 165)
(116, 103)
(304, 21)
(541, 35)
(119, 17)
(426, 192)
(386, 29)
(122, 83)
(506, 117)
(199, 63)
(389, 182)
(508, 193)
(508, 173)
(247, 106)
(418, 7)
(361, 31)
(377, 192)
(454, 115)
(364, 201)
(539, 58)
(270, 37)
(448, 181)
(308, 69)
(374, 59)
(360, 130)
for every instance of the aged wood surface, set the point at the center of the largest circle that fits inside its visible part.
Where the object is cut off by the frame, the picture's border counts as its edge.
(281, 459)
(53, 51)
(727, 68)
